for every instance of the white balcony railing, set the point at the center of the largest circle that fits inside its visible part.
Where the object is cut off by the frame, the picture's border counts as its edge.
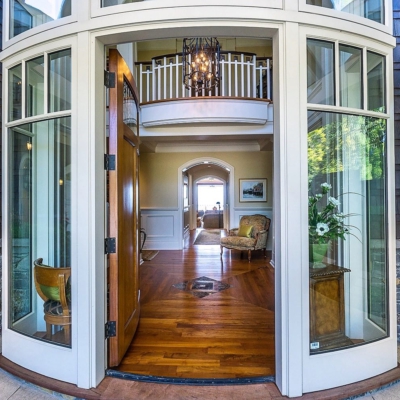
(242, 75)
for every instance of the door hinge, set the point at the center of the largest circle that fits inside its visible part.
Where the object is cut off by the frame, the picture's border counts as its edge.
(109, 79)
(109, 162)
(110, 329)
(109, 245)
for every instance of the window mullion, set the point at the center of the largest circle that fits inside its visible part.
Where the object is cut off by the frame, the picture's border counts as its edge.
(365, 79)
(46, 83)
(23, 90)
(337, 74)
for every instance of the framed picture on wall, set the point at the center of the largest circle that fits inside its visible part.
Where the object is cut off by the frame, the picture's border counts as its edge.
(252, 190)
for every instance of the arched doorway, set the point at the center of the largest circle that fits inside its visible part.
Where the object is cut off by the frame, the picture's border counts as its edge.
(229, 188)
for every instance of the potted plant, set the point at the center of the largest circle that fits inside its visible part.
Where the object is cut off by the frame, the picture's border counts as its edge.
(325, 223)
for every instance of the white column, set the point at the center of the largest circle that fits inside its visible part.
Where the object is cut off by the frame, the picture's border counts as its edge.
(290, 215)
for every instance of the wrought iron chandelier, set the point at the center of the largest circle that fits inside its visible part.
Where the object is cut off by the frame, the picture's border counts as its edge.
(200, 59)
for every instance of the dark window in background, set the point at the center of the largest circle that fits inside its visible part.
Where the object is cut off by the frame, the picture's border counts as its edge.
(22, 19)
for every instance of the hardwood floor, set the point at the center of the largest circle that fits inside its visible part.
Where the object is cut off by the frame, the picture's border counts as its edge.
(229, 334)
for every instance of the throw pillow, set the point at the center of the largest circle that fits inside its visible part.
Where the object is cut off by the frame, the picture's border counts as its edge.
(245, 230)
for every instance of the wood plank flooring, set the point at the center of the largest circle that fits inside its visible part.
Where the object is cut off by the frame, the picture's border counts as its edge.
(229, 334)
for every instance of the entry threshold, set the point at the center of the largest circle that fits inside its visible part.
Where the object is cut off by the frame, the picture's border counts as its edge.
(189, 381)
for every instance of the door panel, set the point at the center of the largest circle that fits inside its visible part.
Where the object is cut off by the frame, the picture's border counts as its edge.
(124, 306)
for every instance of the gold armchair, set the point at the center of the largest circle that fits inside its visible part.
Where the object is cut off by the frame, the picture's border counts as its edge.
(252, 234)
(52, 286)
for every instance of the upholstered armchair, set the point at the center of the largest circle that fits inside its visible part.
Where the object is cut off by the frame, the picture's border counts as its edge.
(252, 234)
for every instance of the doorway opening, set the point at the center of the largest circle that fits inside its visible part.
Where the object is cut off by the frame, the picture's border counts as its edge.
(210, 200)
(228, 334)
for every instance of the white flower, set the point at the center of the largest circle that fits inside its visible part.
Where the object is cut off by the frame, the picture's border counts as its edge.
(326, 186)
(334, 201)
(337, 217)
(322, 228)
(318, 196)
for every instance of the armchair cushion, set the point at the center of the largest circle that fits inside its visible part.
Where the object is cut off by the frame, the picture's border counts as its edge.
(245, 231)
(238, 242)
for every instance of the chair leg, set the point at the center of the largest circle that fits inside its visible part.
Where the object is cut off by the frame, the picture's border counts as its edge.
(249, 255)
(265, 253)
(67, 334)
(221, 251)
(49, 333)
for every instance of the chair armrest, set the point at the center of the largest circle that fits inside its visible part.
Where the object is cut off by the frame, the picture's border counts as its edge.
(233, 232)
(261, 239)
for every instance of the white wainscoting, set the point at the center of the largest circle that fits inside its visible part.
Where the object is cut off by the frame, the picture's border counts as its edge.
(238, 212)
(162, 228)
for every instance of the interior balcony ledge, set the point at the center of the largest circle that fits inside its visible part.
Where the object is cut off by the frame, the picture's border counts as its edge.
(210, 110)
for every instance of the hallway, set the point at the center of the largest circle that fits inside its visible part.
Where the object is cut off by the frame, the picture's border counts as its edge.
(228, 334)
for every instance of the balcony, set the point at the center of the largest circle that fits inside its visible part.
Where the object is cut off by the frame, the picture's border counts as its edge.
(243, 96)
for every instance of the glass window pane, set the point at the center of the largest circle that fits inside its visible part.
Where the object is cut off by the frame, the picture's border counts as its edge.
(21, 224)
(60, 81)
(320, 72)
(35, 87)
(15, 93)
(350, 61)
(27, 15)
(376, 82)
(40, 210)
(371, 9)
(347, 230)
(108, 3)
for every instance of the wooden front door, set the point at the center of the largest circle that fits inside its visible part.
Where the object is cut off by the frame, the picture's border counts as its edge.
(123, 197)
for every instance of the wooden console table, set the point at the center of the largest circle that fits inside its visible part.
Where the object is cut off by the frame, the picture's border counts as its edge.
(327, 322)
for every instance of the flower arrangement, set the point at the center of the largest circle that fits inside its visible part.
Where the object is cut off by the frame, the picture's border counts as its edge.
(325, 222)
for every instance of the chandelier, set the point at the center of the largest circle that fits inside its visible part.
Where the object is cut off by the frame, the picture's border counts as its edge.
(200, 59)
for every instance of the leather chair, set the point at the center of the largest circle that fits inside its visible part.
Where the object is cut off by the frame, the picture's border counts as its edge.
(52, 285)
(252, 234)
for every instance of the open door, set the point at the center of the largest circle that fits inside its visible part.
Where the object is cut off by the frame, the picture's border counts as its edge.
(123, 197)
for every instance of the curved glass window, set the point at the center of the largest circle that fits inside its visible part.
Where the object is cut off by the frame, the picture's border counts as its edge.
(39, 193)
(27, 14)
(350, 77)
(40, 212)
(320, 72)
(108, 3)
(58, 83)
(376, 82)
(371, 9)
(347, 230)
(15, 93)
(35, 87)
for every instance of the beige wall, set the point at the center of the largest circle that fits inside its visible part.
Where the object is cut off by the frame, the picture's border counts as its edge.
(159, 175)
(150, 49)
